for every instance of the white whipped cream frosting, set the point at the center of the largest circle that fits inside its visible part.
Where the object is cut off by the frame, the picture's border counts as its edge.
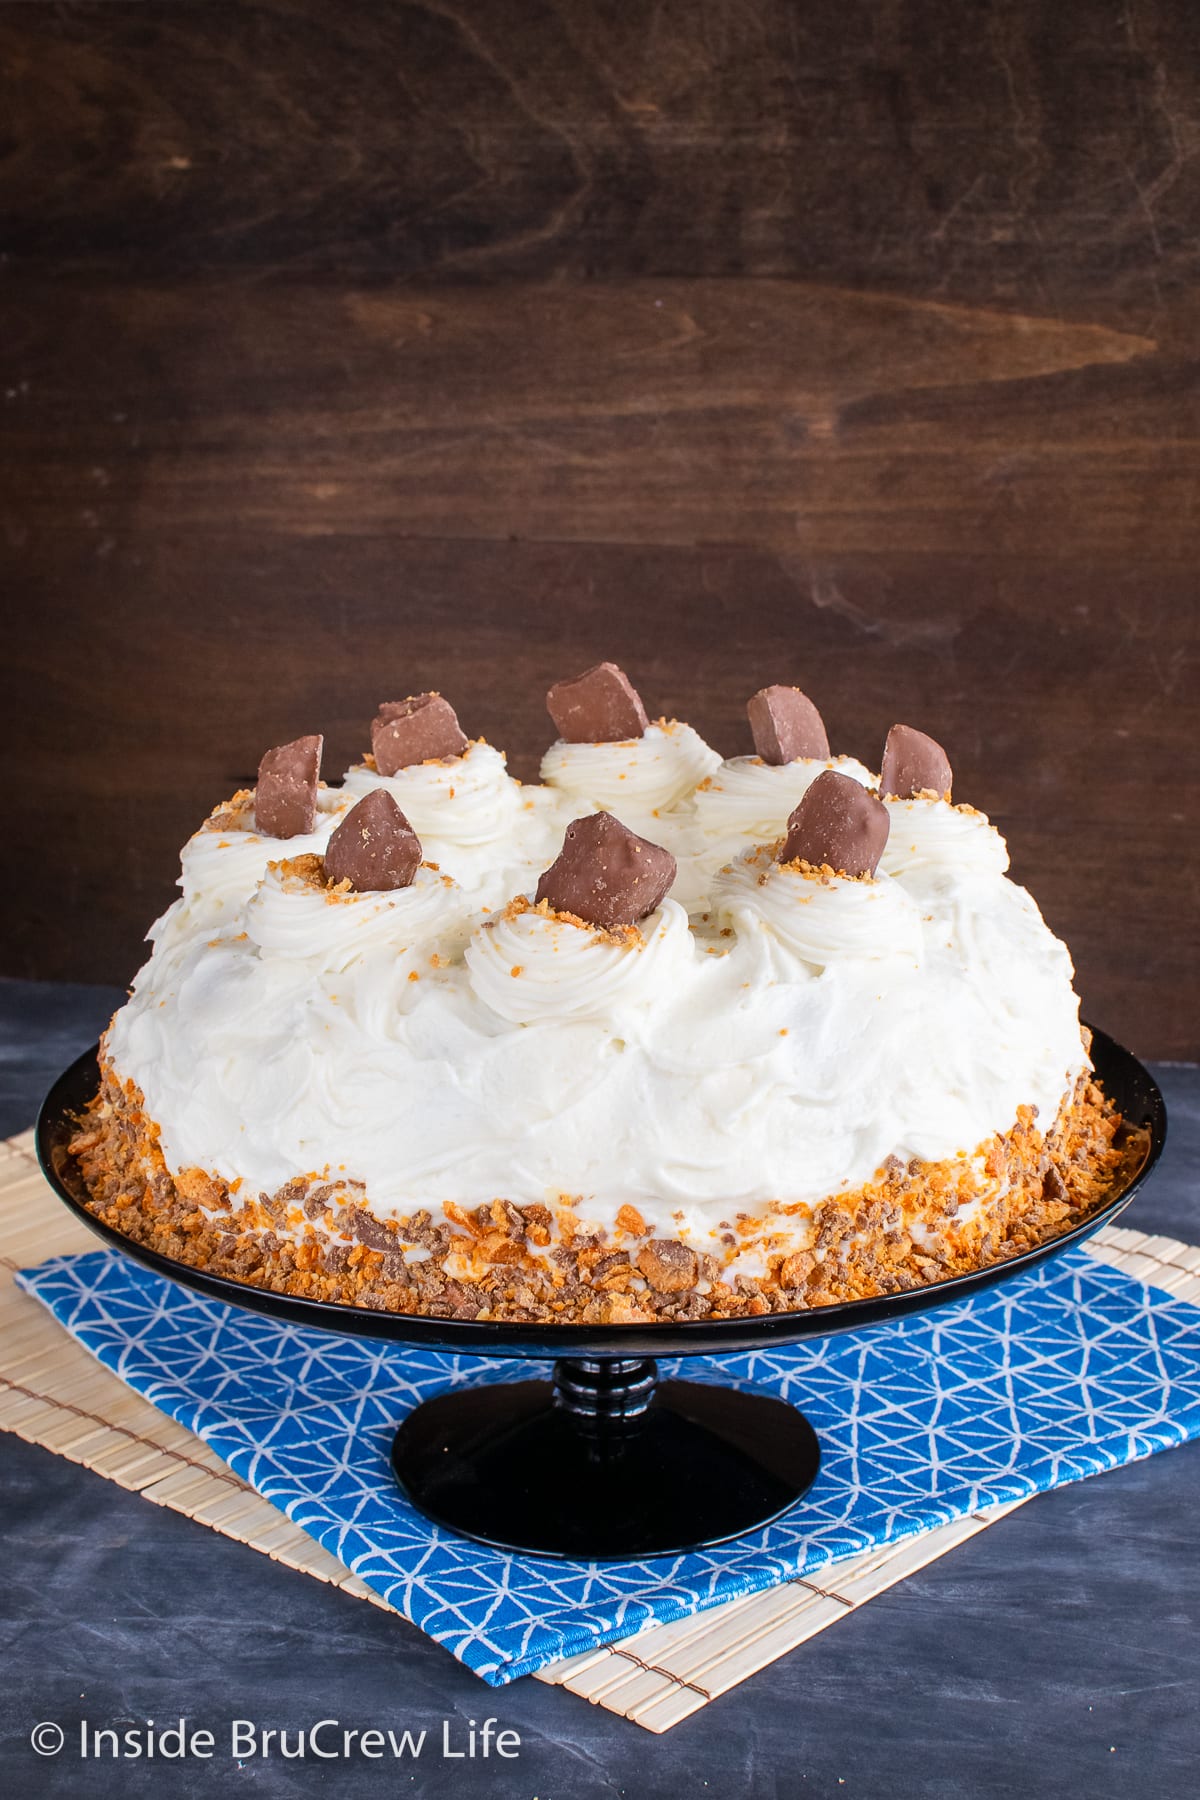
(636, 778)
(290, 919)
(823, 920)
(477, 823)
(537, 968)
(742, 801)
(932, 840)
(439, 1048)
(746, 800)
(222, 864)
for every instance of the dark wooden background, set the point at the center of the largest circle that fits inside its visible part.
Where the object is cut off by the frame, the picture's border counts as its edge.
(353, 349)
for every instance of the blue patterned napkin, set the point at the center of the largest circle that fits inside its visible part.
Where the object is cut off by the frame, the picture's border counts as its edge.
(1060, 1373)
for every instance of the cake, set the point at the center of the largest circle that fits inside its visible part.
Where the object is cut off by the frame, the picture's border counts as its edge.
(663, 1036)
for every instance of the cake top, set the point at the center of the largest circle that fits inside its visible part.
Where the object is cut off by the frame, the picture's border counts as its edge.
(635, 980)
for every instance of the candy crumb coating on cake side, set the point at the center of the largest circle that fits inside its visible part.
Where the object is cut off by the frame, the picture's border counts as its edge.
(763, 997)
(318, 1239)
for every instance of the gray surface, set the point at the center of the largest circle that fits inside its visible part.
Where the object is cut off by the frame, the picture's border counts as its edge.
(1057, 1654)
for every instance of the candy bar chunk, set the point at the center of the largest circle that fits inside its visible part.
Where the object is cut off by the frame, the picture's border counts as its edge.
(422, 728)
(913, 764)
(602, 706)
(786, 725)
(285, 798)
(606, 875)
(374, 848)
(668, 1265)
(838, 824)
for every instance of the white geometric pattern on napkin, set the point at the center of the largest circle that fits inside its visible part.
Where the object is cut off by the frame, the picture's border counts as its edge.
(1062, 1372)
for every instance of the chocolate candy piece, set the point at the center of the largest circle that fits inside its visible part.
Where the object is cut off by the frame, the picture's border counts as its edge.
(668, 1265)
(786, 725)
(285, 798)
(912, 763)
(374, 848)
(837, 823)
(605, 874)
(422, 728)
(601, 706)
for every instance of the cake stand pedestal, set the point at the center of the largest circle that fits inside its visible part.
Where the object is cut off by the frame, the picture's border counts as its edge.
(603, 1460)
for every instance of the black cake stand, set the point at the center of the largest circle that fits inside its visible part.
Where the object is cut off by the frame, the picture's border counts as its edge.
(603, 1460)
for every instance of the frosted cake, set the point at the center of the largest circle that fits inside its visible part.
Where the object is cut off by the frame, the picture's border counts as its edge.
(664, 1036)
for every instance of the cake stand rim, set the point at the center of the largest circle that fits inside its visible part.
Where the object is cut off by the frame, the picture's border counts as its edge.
(534, 1341)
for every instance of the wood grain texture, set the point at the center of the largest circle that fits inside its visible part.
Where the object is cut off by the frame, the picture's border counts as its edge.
(349, 350)
(657, 412)
(1026, 154)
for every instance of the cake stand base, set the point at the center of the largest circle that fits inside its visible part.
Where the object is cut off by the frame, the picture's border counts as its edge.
(604, 1461)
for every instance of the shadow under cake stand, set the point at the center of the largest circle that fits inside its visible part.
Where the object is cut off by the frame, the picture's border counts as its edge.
(604, 1460)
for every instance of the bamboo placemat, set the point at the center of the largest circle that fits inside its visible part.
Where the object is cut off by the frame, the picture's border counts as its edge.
(53, 1393)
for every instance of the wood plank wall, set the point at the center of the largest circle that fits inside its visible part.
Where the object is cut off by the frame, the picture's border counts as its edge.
(352, 349)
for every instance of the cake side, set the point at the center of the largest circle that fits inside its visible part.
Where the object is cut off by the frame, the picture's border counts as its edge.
(317, 1236)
